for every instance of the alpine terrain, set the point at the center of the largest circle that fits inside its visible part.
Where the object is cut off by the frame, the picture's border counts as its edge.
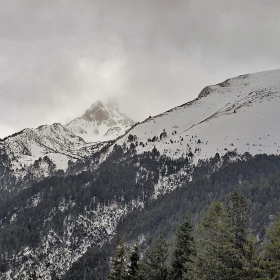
(100, 123)
(69, 192)
(35, 153)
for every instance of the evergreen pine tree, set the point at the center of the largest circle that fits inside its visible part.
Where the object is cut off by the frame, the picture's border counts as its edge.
(246, 262)
(215, 251)
(133, 268)
(272, 251)
(154, 266)
(184, 250)
(119, 264)
(252, 268)
(238, 214)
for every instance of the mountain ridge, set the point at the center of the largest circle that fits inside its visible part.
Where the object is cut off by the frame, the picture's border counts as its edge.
(54, 222)
(46, 150)
(244, 99)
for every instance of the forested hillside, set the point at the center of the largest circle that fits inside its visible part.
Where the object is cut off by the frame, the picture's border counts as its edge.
(257, 178)
(52, 223)
(221, 246)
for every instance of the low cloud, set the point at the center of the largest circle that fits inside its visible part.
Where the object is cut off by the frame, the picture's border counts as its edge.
(57, 58)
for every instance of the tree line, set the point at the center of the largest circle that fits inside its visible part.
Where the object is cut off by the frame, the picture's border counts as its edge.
(221, 246)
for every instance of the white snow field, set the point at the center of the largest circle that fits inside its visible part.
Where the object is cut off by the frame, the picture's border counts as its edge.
(241, 114)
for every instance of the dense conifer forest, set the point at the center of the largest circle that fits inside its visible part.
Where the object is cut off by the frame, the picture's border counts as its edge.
(257, 179)
(128, 179)
(221, 246)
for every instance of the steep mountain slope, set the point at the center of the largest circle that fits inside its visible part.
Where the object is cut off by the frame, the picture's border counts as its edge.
(241, 114)
(100, 123)
(52, 224)
(30, 144)
(36, 153)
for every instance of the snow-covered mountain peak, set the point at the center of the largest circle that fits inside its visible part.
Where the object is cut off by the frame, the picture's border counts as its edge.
(240, 114)
(98, 112)
(101, 122)
(42, 151)
(266, 79)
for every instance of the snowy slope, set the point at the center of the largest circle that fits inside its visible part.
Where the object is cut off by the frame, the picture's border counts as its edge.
(42, 151)
(29, 145)
(240, 114)
(100, 123)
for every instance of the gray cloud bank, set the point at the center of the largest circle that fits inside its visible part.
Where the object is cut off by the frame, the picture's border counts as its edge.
(58, 57)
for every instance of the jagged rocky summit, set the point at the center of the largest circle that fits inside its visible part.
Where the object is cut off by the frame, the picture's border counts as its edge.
(100, 123)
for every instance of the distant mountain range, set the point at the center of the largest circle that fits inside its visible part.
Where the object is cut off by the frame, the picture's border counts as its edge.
(41, 152)
(66, 188)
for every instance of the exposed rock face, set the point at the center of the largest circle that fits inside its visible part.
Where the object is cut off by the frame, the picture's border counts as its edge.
(100, 123)
(205, 92)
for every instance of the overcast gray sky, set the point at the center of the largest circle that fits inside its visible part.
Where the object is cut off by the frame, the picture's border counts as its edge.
(59, 56)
